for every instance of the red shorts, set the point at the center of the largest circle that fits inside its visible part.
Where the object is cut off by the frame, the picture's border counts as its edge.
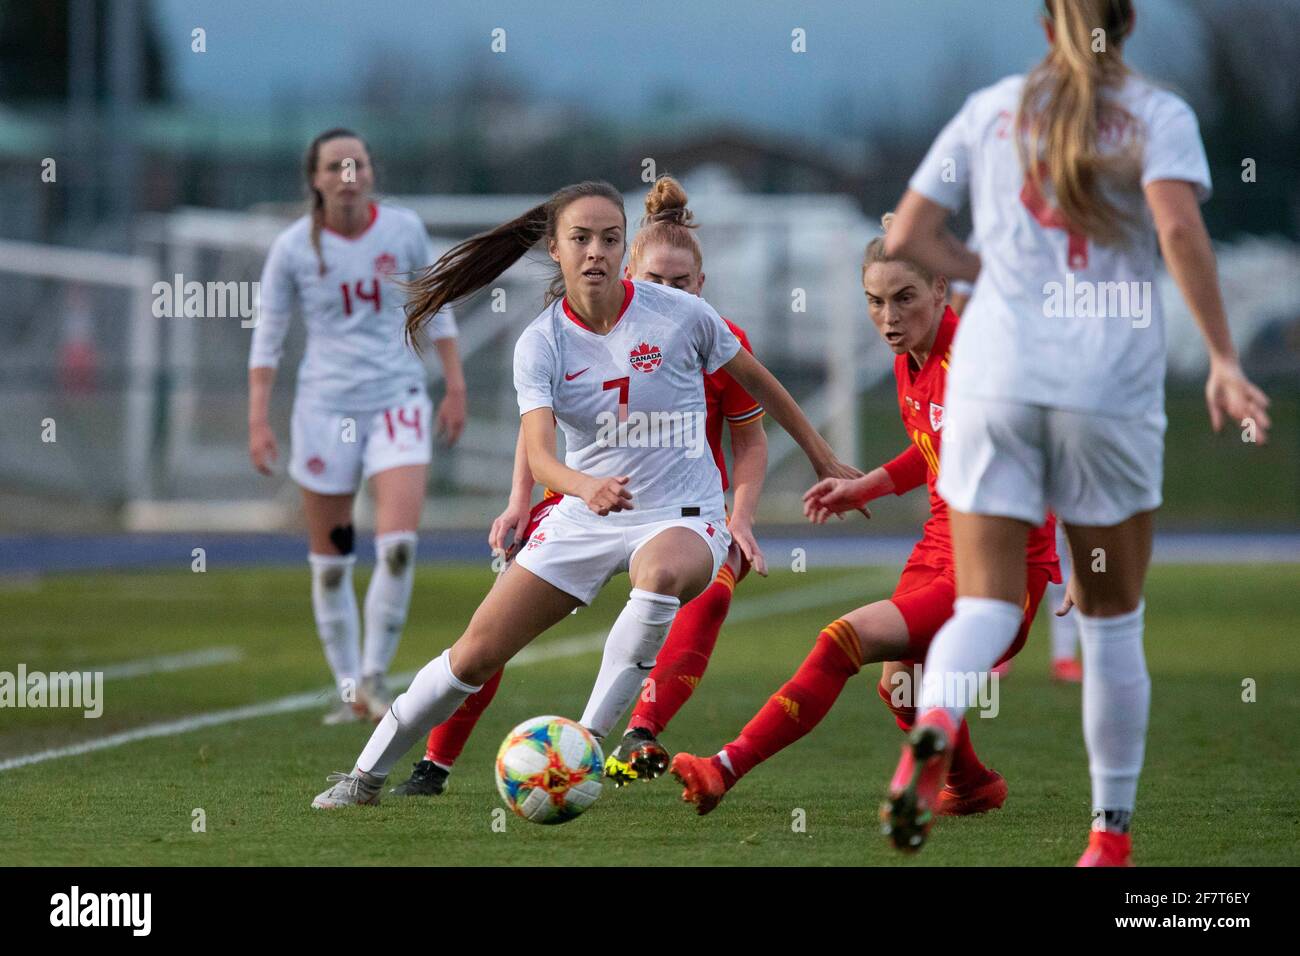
(540, 511)
(925, 596)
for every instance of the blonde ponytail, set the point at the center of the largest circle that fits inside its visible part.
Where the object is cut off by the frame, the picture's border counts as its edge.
(1063, 110)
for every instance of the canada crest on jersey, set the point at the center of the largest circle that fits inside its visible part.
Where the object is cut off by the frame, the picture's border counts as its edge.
(646, 357)
(936, 416)
(385, 263)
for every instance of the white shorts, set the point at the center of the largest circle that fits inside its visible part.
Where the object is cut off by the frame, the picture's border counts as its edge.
(1016, 461)
(579, 558)
(331, 452)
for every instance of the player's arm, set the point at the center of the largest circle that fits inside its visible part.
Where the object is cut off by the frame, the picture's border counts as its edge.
(919, 232)
(748, 470)
(1188, 255)
(515, 517)
(453, 408)
(834, 496)
(602, 495)
(274, 308)
(262, 449)
(771, 394)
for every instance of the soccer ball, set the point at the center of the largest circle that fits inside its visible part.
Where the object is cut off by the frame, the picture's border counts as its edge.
(549, 769)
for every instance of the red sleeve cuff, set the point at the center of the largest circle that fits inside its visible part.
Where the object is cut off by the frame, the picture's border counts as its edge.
(907, 471)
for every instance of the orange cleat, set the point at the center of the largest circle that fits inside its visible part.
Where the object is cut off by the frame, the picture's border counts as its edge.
(1067, 670)
(1107, 849)
(701, 779)
(988, 794)
(907, 815)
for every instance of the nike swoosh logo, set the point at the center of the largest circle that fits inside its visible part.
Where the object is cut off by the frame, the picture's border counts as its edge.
(570, 378)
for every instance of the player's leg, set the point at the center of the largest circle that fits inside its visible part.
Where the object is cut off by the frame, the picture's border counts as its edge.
(679, 670)
(871, 633)
(515, 611)
(399, 496)
(1065, 629)
(333, 599)
(668, 566)
(1110, 572)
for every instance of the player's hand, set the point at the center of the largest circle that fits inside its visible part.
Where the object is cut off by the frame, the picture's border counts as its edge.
(834, 496)
(262, 450)
(1229, 393)
(603, 495)
(743, 534)
(451, 417)
(513, 519)
(1068, 601)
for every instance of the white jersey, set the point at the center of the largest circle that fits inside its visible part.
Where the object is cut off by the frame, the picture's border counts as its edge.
(1056, 319)
(631, 402)
(356, 359)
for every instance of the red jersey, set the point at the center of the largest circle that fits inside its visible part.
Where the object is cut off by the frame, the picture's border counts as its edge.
(920, 402)
(725, 399)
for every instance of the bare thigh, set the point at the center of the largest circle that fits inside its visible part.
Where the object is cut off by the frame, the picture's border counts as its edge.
(676, 561)
(325, 513)
(990, 556)
(517, 608)
(882, 632)
(399, 498)
(1110, 564)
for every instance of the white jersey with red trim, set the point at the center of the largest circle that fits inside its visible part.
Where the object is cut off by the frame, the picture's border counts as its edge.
(356, 359)
(631, 402)
(1057, 319)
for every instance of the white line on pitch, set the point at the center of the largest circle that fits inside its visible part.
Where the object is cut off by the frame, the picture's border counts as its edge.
(166, 663)
(782, 602)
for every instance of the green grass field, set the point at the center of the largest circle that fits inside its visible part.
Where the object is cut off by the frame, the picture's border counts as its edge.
(1218, 788)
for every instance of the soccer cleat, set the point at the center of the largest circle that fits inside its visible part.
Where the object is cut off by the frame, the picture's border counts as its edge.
(701, 779)
(374, 697)
(1106, 848)
(638, 756)
(988, 794)
(907, 815)
(1003, 670)
(1067, 670)
(426, 780)
(346, 712)
(349, 789)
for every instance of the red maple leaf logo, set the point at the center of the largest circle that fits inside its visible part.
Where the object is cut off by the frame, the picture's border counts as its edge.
(385, 263)
(646, 357)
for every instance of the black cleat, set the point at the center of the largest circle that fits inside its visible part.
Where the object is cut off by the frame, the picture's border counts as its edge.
(638, 756)
(426, 780)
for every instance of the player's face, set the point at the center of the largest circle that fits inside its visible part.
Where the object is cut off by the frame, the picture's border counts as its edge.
(588, 244)
(903, 305)
(668, 265)
(343, 172)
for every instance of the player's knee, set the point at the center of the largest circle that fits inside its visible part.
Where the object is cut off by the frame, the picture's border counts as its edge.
(659, 579)
(397, 557)
(331, 577)
(343, 537)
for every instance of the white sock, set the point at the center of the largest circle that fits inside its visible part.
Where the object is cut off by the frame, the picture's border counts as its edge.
(334, 604)
(1065, 630)
(965, 649)
(630, 652)
(388, 598)
(1116, 703)
(432, 697)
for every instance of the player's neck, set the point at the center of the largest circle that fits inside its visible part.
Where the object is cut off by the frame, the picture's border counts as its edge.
(598, 310)
(921, 354)
(348, 219)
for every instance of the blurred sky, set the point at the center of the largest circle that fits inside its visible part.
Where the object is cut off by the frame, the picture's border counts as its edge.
(880, 63)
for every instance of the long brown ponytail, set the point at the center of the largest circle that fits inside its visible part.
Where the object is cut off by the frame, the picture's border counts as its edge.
(315, 201)
(470, 265)
(1062, 114)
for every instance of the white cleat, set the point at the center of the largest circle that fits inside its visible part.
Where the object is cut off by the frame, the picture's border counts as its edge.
(376, 697)
(357, 788)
